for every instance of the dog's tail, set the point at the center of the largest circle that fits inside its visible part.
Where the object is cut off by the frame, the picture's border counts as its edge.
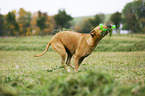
(44, 51)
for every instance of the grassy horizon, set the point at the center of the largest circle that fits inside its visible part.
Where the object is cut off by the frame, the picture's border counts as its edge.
(130, 42)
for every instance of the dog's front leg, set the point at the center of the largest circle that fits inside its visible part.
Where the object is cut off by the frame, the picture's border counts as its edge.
(76, 60)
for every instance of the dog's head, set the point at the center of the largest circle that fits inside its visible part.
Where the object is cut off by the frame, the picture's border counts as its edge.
(101, 31)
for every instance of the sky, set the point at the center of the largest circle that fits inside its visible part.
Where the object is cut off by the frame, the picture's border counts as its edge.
(75, 8)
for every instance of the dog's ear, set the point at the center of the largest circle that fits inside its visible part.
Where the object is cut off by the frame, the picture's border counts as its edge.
(92, 33)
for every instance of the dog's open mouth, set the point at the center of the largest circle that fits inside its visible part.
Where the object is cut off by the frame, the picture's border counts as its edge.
(104, 33)
(109, 29)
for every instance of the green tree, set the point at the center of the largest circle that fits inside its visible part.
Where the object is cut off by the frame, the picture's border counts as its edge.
(24, 19)
(142, 21)
(41, 21)
(116, 19)
(41, 24)
(90, 23)
(1, 25)
(11, 26)
(62, 19)
(45, 23)
(86, 26)
(134, 14)
(97, 20)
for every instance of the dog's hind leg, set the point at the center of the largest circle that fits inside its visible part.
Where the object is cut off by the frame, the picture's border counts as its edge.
(76, 61)
(80, 61)
(58, 47)
(69, 56)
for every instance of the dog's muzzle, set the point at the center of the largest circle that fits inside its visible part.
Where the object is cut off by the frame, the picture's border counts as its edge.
(109, 26)
(109, 30)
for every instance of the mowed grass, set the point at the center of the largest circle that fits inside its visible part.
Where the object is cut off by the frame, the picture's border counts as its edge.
(102, 73)
(22, 74)
(131, 42)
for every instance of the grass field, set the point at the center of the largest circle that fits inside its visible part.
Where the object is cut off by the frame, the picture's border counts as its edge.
(121, 43)
(113, 69)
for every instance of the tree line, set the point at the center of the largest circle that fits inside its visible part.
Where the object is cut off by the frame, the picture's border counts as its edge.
(132, 18)
(23, 23)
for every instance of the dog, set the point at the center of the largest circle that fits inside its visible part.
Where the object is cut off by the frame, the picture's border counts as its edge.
(78, 45)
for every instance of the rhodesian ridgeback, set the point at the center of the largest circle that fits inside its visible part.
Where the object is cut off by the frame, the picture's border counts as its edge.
(76, 44)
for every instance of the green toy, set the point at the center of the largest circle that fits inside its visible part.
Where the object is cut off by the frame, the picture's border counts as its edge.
(101, 26)
(113, 26)
(107, 29)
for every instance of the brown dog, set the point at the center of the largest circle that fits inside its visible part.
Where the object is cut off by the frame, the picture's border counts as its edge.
(76, 44)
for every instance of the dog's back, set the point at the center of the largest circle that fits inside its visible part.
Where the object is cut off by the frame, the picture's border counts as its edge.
(69, 39)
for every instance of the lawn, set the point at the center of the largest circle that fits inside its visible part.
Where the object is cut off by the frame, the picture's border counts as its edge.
(110, 71)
